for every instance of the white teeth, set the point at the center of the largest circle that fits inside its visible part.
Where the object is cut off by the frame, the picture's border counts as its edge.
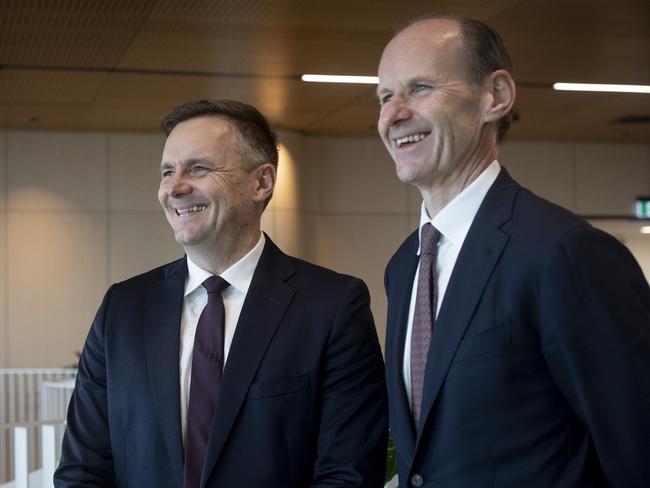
(195, 208)
(412, 138)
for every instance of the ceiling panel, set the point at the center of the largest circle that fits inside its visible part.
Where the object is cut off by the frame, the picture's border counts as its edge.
(64, 116)
(590, 41)
(122, 64)
(579, 116)
(23, 86)
(75, 33)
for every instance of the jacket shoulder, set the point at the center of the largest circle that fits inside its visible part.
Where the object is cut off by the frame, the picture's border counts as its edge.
(325, 277)
(543, 221)
(152, 275)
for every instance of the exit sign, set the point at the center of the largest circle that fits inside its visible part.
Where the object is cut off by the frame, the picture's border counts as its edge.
(642, 208)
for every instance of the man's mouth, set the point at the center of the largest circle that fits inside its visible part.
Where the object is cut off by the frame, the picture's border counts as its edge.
(410, 139)
(190, 210)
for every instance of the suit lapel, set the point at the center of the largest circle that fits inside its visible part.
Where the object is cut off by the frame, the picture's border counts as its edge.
(478, 257)
(266, 303)
(162, 342)
(402, 429)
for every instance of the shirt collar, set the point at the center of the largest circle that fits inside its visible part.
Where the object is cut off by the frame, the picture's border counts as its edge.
(455, 218)
(239, 274)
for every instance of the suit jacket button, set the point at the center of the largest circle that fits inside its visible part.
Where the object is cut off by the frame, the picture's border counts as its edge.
(417, 480)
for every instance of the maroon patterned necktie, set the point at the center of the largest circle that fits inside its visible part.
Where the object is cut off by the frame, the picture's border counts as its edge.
(207, 366)
(424, 315)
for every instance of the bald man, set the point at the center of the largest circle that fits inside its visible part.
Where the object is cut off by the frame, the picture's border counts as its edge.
(518, 337)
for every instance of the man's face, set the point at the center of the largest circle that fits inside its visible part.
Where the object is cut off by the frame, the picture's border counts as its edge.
(206, 194)
(431, 116)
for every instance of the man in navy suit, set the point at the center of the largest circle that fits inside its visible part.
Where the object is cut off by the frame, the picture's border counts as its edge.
(518, 337)
(300, 398)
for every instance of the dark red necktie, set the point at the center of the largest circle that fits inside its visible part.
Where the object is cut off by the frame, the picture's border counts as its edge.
(425, 312)
(207, 366)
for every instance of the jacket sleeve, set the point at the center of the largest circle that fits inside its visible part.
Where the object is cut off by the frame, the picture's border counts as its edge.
(595, 330)
(353, 429)
(86, 455)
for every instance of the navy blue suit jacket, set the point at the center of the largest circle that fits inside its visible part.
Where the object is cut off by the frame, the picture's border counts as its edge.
(539, 368)
(302, 400)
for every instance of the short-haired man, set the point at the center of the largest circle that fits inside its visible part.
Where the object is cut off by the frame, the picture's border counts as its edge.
(518, 341)
(237, 365)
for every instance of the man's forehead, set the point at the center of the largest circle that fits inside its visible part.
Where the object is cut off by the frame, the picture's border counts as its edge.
(433, 34)
(204, 124)
(430, 28)
(204, 139)
(414, 51)
(200, 132)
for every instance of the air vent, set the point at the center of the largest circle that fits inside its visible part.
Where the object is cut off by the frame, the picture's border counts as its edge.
(632, 120)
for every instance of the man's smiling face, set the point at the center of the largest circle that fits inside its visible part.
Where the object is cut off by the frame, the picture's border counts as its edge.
(431, 114)
(204, 189)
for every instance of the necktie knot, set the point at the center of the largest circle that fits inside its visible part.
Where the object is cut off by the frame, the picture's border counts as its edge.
(215, 284)
(429, 239)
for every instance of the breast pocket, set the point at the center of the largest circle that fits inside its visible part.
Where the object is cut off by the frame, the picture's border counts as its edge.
(489, 343)
(275, 388)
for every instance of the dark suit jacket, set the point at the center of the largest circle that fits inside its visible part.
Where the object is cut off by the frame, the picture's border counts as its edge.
(302, 400)
(538, 373)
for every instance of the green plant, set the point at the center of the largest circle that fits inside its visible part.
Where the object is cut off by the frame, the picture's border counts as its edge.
(391, 461)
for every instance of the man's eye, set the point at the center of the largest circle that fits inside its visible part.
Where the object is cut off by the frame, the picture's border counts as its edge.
(385, 99)
(198, 170)
(166, 173)
(420, 88)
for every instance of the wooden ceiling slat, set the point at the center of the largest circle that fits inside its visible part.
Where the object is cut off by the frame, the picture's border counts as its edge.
(70, 32)
(277, 40)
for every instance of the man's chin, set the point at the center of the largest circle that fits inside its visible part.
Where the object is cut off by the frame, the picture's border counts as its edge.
(405, 176)
(186, 240)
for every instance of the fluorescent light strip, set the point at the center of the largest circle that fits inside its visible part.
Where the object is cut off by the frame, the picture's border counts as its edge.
(367, 80)
(645, 229)
(597, 87)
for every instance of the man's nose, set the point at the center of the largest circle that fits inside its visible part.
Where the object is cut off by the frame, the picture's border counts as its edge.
(395, 110)
(177, 185)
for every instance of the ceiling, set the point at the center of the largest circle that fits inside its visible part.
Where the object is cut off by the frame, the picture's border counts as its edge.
(122, 64)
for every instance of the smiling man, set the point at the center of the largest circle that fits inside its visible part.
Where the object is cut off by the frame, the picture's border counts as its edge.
(518, 336)
(236, 365)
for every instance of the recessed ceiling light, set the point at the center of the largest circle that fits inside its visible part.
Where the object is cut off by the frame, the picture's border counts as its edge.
(367, 80)
(645, 229)
(599, 87)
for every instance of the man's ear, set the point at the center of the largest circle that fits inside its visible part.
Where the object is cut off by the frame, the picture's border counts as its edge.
(265, 177)
(501, 88)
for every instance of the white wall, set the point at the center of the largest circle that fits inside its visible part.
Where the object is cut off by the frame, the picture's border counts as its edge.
(589, 179)
(4, 310)
(76, 219)
(78, 211)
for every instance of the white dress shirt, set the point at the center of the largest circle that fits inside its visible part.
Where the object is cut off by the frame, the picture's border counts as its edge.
(453, 223)
(239, 275)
